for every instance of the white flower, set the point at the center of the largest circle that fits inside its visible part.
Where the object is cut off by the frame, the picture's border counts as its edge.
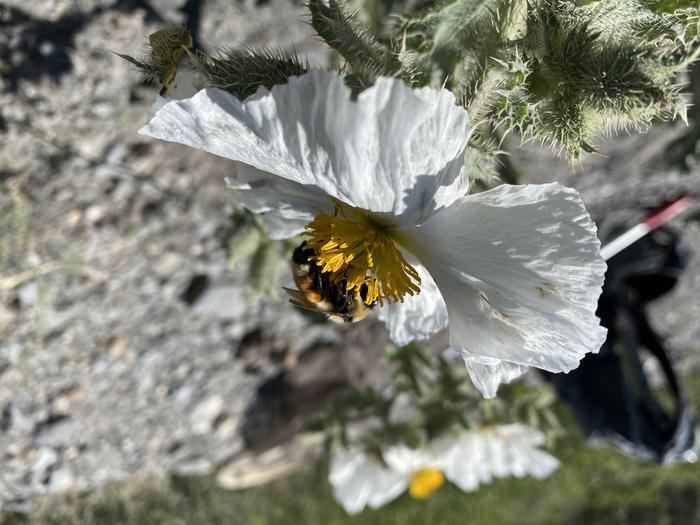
(379, 185)
(468, 459)
(475, 457)
(359, 479)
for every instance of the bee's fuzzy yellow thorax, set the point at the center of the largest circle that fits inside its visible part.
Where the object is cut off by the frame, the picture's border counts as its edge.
(360, 247)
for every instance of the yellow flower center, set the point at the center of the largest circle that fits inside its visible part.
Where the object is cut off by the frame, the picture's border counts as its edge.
(425, 482)
(359, 247)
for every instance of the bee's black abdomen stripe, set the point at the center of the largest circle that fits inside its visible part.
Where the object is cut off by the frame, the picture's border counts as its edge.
(301, 254)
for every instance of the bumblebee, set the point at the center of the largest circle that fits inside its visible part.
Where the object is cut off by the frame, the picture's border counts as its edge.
(318, 293)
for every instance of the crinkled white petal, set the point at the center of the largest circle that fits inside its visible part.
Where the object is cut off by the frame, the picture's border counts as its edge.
(520, 443)
(408, 461)
(359, 480)
(418, 316)
(464, 460)
(394, 149)
(487, 374)
(477, 457)
(520, 271)
(285, 206)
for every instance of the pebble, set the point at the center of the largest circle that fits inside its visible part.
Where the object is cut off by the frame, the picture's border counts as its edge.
(45, 459)
(223, 302)
(205, 414)
(28, 294)
(57, 434)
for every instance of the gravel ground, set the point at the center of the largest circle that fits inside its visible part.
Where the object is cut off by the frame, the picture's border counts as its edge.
(127, 345)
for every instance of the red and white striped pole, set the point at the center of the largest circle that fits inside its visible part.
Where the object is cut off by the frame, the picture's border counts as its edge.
(657, 218)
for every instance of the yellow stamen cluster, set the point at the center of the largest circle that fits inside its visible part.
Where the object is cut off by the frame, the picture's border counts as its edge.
(357, 246)
(424, 482)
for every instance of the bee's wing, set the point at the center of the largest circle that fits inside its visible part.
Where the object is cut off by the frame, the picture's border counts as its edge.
(297, 299)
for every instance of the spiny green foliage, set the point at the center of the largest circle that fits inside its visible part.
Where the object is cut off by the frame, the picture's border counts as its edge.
(239, 71)
(554, 70)
(242, 71)
(557, 71)
(453, 44)
(165, 48)
(366, 57)
(686, 12)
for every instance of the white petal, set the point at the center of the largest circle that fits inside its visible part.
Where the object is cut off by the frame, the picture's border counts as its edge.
(477, 456)
(487, 374)
(286, 206)
(394, 149)
(519, 268)
(464, 461)
(520, 442)
(528, 435)
(407, 461)
(359, 480)
(418, 316)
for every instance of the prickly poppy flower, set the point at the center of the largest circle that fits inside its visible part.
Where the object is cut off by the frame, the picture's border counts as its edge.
(378, 185)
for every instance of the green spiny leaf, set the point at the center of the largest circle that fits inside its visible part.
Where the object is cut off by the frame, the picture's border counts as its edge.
(366, 56)
(165, 48)
(242, 71)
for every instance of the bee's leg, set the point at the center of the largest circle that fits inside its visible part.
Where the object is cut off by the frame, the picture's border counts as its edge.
(322, 281)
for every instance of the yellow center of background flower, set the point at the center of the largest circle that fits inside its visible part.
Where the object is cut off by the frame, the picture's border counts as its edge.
(425, 482)
(359, 247)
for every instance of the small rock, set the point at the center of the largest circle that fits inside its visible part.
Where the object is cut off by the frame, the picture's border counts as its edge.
(74, 217)
(193, 467)
(28, 294)
(55, 434)
(197, 285)
(168, 263)
(45, 459)
(183, 393)
(62, 403)
(205, 414)
(20, 416)
(226, 428)
(116, 346)
(94, 214)
(251, 470)
(225, 302)
(56, 321)
(11, 352)
(61, 480)
(6, 315)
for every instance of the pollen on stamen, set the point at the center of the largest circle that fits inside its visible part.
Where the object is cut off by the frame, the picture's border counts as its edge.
(355, 246)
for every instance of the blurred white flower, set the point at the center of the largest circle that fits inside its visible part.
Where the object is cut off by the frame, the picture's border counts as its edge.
(378, 184)
(475, 457)
(359, 479)
(467, 459)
